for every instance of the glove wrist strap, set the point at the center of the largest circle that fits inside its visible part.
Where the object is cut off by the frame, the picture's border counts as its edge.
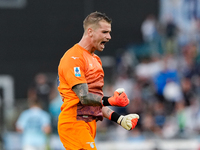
(114, 117)
(105, 101)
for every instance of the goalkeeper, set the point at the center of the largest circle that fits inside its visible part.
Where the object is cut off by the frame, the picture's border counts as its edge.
(80, 83)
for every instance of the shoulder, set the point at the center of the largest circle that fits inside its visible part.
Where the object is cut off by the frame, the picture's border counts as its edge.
(24, 114)
(74, 53)
(98, 58)
(75, 50)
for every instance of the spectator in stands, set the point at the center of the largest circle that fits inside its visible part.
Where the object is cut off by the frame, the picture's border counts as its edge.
(189, 60)
(159, 116)
(148, 124)
(148, 28)
(192, 113)
(188, 91)
(165, 76)
(150, 33)
(180, 115)
(171, 31)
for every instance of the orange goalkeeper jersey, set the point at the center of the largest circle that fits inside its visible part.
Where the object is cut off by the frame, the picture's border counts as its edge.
(79, 66)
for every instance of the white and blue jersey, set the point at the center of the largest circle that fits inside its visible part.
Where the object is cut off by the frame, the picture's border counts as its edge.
(32, 122)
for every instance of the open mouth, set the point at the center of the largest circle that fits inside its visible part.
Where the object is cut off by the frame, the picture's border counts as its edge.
(103, 42)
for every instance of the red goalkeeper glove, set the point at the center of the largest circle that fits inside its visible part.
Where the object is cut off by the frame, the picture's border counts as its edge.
(119, 99)
(128, 122)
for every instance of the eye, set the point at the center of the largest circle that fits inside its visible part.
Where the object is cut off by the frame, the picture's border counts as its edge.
(105, 31)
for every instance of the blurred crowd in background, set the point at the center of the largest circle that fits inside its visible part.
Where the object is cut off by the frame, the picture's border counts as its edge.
(162, 80)
(161, 77)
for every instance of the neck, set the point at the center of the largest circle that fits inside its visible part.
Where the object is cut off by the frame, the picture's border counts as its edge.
(86, 43)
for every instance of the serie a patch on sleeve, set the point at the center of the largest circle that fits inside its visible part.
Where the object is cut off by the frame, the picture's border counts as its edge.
(77, 71)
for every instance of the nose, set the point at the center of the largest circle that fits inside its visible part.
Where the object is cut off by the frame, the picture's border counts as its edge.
(108, 36)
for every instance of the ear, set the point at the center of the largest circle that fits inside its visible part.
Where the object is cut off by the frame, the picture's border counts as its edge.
(90, 31)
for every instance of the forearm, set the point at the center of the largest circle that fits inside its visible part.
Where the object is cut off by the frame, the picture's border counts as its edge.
(107, 112)
(85, 97)
(91, 99)
(110, 114)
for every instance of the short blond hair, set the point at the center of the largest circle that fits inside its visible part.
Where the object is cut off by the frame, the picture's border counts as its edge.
(94, 18)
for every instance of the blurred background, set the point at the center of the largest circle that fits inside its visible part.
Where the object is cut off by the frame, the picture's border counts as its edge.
(153, 55)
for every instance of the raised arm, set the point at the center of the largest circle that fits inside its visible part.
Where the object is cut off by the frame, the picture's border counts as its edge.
(119, 98)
